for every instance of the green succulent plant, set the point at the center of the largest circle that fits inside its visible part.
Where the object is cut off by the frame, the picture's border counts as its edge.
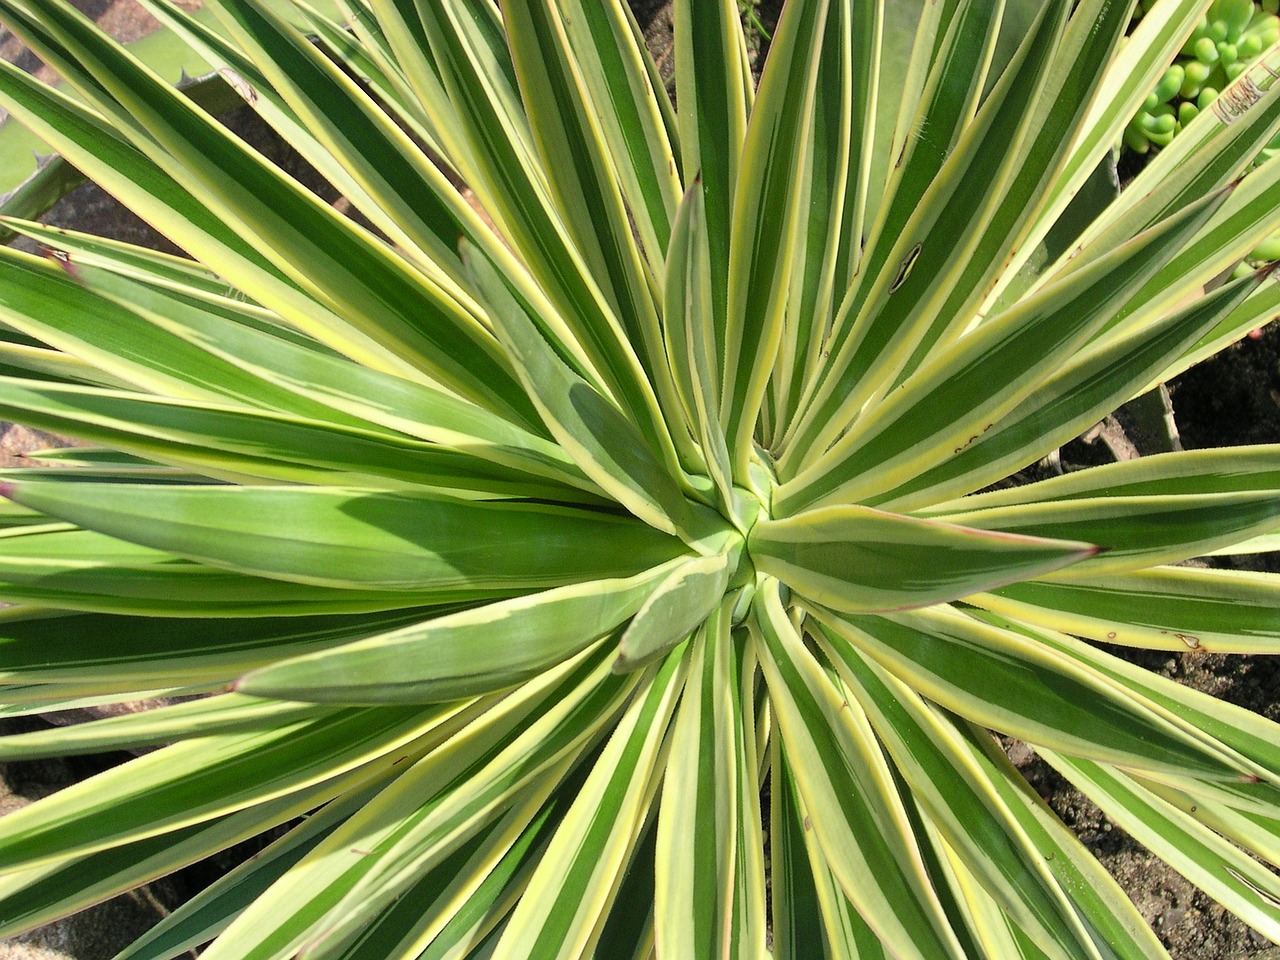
(600, 543)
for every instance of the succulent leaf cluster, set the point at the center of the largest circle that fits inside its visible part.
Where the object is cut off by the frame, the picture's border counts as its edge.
(616, 537)
(1231, 35)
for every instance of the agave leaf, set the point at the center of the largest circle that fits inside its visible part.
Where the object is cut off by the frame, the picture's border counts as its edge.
(690, 340)
(474, 651)
(41, 894)
(240, 442)
(57, 565)
(1260, 832)
(833, 192)
(1029, 693)
(684, 599)
(1134, 70)
(858, 559)
(636, 117)
(806, 896)
(208, 913)
(709, 869)
(1202, 856)
(413, 824)
(766, 221)
(178, 345)
(1231, 730)
(715, 96)
(571, 146)
(1137, 531)
(374, 288)
(872, 329)
(966, 811)
(1087, 386)
(985, 375)
(554, 756)
(1163, 608)
(180, 721)
(579, 875)
(843, 779)
(1220, 145)
(592, 429)
(132, 652)
(454, 902)
(359, 538)
(151, 795)
(83, 138)
(323, 115)
(1100, 903)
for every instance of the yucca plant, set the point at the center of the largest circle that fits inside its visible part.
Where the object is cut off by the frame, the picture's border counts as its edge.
(600, 544)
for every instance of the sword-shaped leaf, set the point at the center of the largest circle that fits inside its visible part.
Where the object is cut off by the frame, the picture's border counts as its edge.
(714, 92)
(574, 883)
(82, 137)
(1164, 608)
(968, 387)
(709, 873)
(1136, 531)
(464, 654)
(229, 440)
(1231, 877)
(686, 597)
(766, 224)
(353, 538)
(58, 566)
(961, 804)
(376, 290)
(843, 779)
(1085, 389)
(151, 795)
(1027, 692)
(591, 428)
(46, 647)
(858, 559)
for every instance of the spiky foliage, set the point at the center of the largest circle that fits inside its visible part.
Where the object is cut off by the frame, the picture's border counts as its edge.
(617, 470)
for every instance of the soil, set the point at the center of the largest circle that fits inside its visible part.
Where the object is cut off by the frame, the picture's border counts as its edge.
(1234, 398)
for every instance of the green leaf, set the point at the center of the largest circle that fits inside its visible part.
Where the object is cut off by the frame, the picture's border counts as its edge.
(574, 883)
(1026, 691)
(967, 812)
(131, 652)
(463, 654)
(764, 230)
(198, 780)
(714, 93)
(37, 895)
(59, 566)
(709, 871)
(166, 724)
(1084, 389)
(843, 779)
(634, 116)
(589, 426)
(987, 374)
(1233, 878)
(1164, 608)
(350, 538)
(857, 559)
(680, 603)
(1136, 531)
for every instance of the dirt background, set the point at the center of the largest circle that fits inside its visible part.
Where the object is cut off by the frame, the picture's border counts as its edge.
(1232, 399)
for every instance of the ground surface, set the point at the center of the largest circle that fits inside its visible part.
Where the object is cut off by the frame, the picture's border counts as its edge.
(1234, 398)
